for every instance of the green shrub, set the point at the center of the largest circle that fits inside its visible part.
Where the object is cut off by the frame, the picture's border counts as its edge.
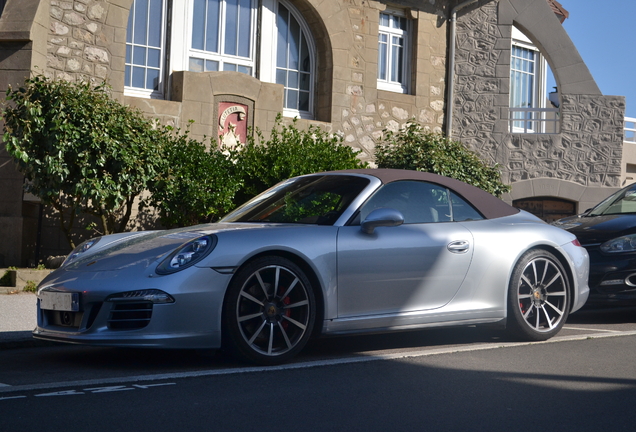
(30, 286)
(194, 185)
(414, 148)
(81, 151)
(289, 152)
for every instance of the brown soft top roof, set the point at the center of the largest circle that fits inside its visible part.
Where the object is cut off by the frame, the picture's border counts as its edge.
(488, 205)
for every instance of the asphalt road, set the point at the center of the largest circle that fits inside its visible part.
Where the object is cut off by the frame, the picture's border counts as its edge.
(438, 379)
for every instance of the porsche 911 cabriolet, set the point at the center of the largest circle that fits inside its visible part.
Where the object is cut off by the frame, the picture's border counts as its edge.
(322, 254)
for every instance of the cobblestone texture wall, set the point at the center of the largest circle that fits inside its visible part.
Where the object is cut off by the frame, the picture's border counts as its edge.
(79, 40)
(587, 151)
(364, 111)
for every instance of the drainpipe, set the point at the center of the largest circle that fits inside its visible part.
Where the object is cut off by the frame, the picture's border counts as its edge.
(451, 66)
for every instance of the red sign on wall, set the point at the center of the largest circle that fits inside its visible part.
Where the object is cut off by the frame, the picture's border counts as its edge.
(232, 123)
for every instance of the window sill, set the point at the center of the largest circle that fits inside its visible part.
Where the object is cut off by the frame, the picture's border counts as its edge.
(397, 97)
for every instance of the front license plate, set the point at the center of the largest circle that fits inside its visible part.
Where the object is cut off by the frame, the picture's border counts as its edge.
(59, 301)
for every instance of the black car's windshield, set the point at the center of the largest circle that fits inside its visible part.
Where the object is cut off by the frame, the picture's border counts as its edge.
(623, 201)
(318, 200)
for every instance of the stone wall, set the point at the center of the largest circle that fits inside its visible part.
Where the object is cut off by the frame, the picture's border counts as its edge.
(361, 112)
(588, 149)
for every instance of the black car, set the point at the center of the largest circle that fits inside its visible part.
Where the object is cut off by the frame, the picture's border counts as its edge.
(608, 232)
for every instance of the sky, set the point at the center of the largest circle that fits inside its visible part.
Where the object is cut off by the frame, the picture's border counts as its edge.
(603, 32)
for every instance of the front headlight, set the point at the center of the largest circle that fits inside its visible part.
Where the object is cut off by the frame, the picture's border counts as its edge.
(620, 244)
(187, 255)
(149, 295)
(80, 250)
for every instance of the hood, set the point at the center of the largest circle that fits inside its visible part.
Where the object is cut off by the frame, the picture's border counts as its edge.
(119, 252)
(598, 229)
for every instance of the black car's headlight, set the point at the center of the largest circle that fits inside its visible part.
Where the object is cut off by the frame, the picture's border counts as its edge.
(187, 255)
(620, 244)
(80, 250)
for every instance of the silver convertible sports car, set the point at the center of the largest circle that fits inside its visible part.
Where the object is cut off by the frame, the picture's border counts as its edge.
(322, 254)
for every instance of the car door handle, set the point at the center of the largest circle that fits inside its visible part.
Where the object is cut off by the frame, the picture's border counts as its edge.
(458, 246)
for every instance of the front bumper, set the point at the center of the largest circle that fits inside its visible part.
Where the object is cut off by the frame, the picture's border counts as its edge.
(192, 321)
(612, 279)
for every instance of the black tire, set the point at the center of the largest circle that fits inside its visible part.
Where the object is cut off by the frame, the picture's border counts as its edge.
(538, 297)
(269, 311)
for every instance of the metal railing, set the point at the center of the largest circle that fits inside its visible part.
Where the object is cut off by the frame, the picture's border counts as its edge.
(629, 130)
(534, 120)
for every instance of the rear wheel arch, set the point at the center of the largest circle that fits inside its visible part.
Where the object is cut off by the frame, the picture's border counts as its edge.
(539, 295)
(559, 255)
(566, 266)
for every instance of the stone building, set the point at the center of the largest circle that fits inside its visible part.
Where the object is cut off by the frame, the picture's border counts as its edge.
(355, 67)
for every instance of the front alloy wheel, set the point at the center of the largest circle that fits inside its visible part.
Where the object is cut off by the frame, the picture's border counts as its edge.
(269, 311)
(538, 297)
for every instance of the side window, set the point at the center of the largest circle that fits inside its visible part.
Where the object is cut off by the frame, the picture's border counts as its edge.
(419, 202)
(393, 49)
(462, 211)
(145, 42)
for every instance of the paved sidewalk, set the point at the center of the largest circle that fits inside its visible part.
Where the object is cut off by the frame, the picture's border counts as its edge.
(17, 320)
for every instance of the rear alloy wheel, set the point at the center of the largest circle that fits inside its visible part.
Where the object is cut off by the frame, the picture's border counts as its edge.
(538, 297)
(269, 311)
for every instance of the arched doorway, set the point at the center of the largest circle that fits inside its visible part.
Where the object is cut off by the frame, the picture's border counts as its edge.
(547, 208)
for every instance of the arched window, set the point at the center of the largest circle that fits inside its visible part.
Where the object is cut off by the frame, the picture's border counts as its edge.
(222, 35)
(293, 62)
(530, 108)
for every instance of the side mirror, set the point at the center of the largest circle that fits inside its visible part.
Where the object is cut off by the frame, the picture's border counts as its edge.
(381, 217)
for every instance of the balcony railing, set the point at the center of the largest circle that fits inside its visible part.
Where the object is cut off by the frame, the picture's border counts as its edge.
(629, 130)
(534, 120)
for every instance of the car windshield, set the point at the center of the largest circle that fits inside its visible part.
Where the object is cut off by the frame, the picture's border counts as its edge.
(318, 200)
(622, 202)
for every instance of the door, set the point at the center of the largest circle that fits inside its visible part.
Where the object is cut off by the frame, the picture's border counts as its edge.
(415, 266)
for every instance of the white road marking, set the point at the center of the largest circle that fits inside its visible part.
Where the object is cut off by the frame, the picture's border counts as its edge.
(590, 329)
(363, 358)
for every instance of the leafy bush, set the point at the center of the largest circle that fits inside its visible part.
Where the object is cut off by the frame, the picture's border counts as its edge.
(414, 148)
(84, 153)
(30, 286)
(289, 152)
(194, 185)
(80, 150)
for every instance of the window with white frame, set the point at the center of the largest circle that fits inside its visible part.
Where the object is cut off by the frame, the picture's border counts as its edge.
(293, 62)
(393, 49)
(145, 45)
(221, 35)
(528, 96)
